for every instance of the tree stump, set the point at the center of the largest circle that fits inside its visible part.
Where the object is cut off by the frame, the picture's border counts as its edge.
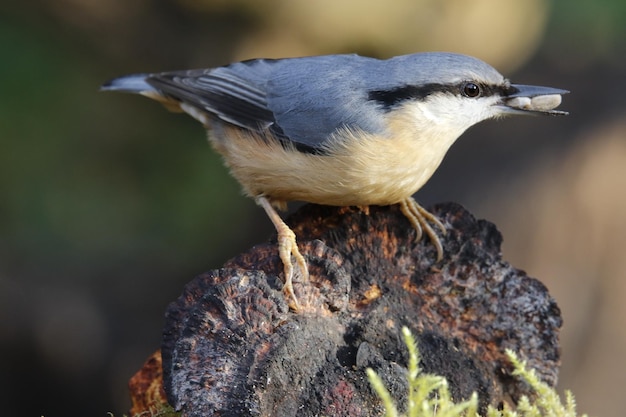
(232, 347)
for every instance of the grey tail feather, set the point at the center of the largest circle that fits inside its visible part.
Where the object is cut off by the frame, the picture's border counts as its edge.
(135, 83)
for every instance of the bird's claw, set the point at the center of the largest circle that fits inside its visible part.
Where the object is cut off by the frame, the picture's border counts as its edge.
(420, 219)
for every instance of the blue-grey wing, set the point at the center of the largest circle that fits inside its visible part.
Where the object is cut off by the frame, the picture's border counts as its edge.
(313, 97)
(236, 97)
(301, 100)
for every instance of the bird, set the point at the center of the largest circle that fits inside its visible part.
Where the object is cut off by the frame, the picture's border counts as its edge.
(340, 130)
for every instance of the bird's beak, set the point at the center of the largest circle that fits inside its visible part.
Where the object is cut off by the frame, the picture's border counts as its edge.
(531, 99)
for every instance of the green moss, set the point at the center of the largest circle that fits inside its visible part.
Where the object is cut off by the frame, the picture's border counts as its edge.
(429, 395)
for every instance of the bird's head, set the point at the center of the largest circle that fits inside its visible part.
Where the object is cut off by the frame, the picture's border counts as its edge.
(451, 92)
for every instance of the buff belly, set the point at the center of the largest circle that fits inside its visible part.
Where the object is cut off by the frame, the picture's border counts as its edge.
(355, 169)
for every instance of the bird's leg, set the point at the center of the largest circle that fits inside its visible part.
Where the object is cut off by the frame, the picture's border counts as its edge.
(420, 219)
(287, 246)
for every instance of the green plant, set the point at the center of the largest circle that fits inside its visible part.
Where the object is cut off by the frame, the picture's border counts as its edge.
(429, 395)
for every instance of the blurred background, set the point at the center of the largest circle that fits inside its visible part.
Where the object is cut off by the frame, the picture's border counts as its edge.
(109, 204)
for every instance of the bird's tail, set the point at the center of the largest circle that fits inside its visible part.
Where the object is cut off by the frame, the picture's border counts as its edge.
(138, 84)
(135, 83)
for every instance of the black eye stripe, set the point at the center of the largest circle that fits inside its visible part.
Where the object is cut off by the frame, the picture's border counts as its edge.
(493, 90)
(391, 98)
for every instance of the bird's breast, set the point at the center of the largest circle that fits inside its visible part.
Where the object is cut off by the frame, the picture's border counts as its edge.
(356, 168)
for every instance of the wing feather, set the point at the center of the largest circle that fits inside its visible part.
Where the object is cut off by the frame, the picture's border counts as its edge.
(222, 94)
(300, 100)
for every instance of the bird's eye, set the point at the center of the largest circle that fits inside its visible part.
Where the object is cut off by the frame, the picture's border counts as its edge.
(471, 90)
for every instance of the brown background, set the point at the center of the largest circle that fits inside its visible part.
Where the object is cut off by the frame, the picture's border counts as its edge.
(109, 205)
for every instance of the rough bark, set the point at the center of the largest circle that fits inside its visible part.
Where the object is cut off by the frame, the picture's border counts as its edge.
(232, 347)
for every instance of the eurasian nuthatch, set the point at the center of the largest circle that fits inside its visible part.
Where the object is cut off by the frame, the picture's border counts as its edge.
(340, 130)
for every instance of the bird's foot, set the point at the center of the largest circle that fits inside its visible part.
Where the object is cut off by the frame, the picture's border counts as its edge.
(287, 247)
(421, 219)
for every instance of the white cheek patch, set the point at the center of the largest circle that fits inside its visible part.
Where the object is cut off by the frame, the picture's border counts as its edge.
(447, 115)
(429, 115)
